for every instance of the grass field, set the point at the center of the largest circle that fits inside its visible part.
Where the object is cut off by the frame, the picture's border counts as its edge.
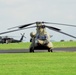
(15, 46)
(56, 63)
(65, 44)
(44, 63)
(26, 45)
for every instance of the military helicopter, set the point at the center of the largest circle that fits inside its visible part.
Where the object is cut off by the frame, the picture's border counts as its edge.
(7, 39)
(0, 39)
(40, 38)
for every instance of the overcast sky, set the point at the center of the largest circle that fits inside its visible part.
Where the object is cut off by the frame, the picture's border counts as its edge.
(20, 12)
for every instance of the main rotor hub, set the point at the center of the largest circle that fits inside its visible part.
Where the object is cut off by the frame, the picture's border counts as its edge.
(40, 25)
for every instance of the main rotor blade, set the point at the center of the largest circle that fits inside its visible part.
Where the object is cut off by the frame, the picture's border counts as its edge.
(67, 34)
(53, 28)
(22, 26)
(59, 24)
(16, 30)
(58, 30)
(26, 25)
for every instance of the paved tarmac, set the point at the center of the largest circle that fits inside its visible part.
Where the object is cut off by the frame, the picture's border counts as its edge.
(71, 49)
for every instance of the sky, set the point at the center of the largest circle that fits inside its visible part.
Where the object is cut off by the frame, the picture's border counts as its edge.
(20, 12)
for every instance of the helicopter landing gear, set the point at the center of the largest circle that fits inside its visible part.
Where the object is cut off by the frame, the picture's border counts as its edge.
(50, 50)
(31, 49)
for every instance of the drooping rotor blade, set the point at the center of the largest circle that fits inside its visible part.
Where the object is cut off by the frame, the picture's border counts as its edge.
(26, 25)
(58, 30)
(53, 28)
(13, 27)
(59, 24)
(67, 34)
(16, 30)
(22, 26)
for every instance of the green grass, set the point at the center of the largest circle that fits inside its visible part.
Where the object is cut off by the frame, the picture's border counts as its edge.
(56, 63)
(15, 46)
(27, 44)
(65, 44)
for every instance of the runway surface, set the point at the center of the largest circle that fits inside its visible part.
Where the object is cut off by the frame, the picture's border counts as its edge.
(71, 49)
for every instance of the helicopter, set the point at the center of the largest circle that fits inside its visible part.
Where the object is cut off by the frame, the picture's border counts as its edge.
(40, 38)
(7, 39)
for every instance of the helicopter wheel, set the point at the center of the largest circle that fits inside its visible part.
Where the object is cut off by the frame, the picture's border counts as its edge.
(50, 50)
(31, 49)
